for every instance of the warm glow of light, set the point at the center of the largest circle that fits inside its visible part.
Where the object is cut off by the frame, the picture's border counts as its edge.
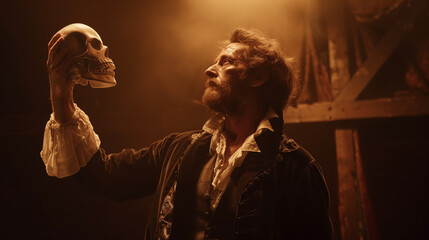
(196, 27)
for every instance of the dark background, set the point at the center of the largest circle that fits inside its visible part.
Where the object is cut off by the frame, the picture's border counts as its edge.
(161, 49)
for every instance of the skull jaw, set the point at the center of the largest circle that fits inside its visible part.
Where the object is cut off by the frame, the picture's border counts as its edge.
(81, 73)
(106, 81)
(102, 81)
(96, 80)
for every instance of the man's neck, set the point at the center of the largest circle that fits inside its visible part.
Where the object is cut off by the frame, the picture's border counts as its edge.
(240, 125)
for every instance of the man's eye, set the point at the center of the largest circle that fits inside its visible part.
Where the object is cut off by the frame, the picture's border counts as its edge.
(227, 61)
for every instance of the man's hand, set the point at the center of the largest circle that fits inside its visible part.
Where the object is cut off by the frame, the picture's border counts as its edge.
(59, 60)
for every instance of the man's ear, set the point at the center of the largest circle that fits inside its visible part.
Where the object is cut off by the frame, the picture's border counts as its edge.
(258, 79)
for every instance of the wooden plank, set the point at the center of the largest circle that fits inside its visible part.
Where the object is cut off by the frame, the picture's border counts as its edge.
(376, 108)
(381, 53)
(350, 209)
(368, 213)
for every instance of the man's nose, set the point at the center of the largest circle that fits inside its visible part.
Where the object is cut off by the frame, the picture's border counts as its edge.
(211, 71)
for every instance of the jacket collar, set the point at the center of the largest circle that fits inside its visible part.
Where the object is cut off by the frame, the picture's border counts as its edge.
(267, 139)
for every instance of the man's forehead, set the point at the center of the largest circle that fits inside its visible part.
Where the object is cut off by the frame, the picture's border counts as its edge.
(233, 48)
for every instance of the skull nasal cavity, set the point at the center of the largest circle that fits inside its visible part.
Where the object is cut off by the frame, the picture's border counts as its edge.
(96, 44)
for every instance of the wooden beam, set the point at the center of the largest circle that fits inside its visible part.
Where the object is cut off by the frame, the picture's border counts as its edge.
(376, 108)
(381, 53)
(351, 211)
(368, 213)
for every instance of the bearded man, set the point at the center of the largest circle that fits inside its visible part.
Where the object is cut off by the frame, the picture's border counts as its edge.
(239, 177)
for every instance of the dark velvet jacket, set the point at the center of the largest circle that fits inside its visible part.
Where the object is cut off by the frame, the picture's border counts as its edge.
(279, 193)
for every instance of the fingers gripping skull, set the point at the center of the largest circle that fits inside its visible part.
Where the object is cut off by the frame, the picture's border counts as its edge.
(91, 62)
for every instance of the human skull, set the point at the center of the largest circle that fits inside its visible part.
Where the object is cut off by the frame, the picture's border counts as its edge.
(91, 62)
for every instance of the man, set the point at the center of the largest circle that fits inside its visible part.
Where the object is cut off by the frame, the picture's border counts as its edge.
(239, 177)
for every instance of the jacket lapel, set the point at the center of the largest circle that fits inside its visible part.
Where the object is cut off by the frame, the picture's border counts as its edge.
(189, 171)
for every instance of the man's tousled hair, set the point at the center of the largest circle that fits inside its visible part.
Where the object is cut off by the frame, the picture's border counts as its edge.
(266, 57)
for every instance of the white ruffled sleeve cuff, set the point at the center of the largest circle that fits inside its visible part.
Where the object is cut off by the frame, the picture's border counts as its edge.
(68, 146)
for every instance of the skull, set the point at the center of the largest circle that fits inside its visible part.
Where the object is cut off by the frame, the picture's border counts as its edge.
(91, 62)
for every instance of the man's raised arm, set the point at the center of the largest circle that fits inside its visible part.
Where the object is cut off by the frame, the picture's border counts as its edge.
(69, 139)
(70, 142)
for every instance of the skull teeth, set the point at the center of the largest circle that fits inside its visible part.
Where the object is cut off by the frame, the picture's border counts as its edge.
(103, 65)
(95, 66)
(104, 68)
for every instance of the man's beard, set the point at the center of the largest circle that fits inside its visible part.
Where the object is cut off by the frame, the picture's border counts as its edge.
(223, 97)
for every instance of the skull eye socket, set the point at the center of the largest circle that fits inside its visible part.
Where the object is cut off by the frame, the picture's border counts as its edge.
(76, 41)
(96, 44)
